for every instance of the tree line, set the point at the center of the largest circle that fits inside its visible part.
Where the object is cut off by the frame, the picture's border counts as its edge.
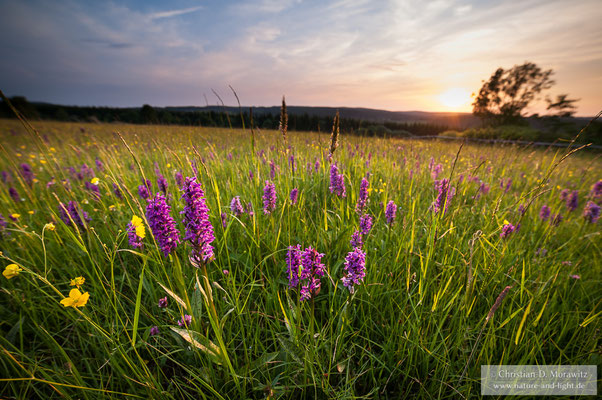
(210, 118)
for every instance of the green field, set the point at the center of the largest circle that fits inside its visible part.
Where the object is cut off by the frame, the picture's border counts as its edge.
(413, 326)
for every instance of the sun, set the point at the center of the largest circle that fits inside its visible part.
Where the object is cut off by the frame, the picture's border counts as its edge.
(455, 98)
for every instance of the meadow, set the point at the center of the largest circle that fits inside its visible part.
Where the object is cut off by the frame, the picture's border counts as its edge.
(397, 273)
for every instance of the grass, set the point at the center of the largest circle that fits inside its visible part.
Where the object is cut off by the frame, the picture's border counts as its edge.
(419, 319)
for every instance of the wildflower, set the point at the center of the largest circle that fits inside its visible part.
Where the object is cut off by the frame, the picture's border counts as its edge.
(236, 206)
(572, 200)
(522, 209)
(272, 169)
(14, 194)
(596, 192)
(355, 268)
(185, 321)
(575, 277)
(269, 197)
(294, 196)
(27, 173)
(136, 231)
(162, 224)
(591, 212)
(199, 231)
(507, 229)
(444, 197)
(250, 209)
(154, 331)
(162, 183)
(143, 191)
(312, 270)
(79, 281)
(6, 177)
(225, 272)
(11, 271)
(544, 213)
(224, 220)
(85, 172)
(564, 194)
(363, 197)
(356, 239)
(75, 299)
(293, 265)
(15, 216)
(94, 189)
(179, 179)
(337, 181)
(555, 220)
(435, 171)
(71, 212)
(163, 302)
(99, 164)
(366, 224)
(2, 225)
(390, 212)
(95, 181)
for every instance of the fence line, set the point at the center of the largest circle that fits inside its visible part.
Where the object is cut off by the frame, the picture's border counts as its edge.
(503, 141)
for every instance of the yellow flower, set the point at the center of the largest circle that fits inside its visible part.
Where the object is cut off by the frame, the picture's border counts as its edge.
(95, 181)
(168, 165)
(15, 216)
(77, 281)
(11, 271)
(42, 161)
(18, 154)
(50, 226)
(75, 299)
(137, 223)
(30, 212)
(112, 207)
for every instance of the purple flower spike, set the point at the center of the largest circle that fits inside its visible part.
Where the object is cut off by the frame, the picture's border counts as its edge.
(143, 192)
(269, 197)
(162, 224)
(199, 230)
(14, 194)
(312, 270)
(179, 179)
(337, 181)
(596, 192)
(544, 213)
(444, 197)
(293, 265)
(355, 269)
(162, 183)
(185, 321)
(362, 200)
(366, 224)
(154, 331)
(507, 230)
(294, 196)
(572, 200)
(390, 212)
(27, 173)
(236, 206)
(163, 302)
(356, 239)
(591, 213)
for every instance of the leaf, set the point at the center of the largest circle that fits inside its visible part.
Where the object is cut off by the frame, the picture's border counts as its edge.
(195, 339)
(174, 296)
(290, 348)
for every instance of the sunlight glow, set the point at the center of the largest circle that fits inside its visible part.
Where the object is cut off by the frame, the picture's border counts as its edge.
(455, 98)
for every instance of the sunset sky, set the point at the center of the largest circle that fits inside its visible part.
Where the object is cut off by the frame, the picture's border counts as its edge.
(394, 55)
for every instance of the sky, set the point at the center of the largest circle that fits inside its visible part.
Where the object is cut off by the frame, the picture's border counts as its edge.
(397, 55)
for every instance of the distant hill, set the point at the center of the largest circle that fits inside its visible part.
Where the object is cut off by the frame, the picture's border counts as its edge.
(452, 120)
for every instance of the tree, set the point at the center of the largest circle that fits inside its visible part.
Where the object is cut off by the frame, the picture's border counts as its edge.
(148, 114)
(562, 106)
(503, 98)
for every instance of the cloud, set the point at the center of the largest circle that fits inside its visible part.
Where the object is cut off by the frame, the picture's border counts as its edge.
(174, 13)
